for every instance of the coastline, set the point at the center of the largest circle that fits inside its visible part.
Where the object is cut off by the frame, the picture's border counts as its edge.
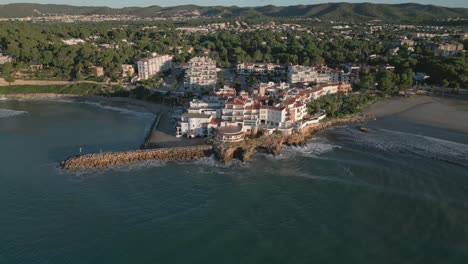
(271, 144)
(414, 108)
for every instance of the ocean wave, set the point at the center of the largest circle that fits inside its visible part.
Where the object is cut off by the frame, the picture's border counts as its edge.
(212, 162)
(117, 109)
(10, 113)
(408, 143)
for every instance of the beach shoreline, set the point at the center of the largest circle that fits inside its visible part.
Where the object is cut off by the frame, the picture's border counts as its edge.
(439, 112)
(162, 135)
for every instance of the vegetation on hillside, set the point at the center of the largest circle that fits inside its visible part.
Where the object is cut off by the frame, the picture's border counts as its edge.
(328, 11)
(340, 105)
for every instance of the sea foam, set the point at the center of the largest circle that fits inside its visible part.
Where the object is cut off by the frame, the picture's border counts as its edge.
(10, 113)
(117, 109)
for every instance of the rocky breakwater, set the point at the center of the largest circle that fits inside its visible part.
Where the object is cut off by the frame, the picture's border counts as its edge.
(272, 144)
(102, 160)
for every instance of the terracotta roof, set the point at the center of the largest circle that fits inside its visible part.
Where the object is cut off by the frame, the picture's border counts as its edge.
(214, 121)
(273, 108)
(235, 101)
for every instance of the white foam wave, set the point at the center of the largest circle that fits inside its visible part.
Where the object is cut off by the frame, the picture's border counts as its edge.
(117, 109)
(313, 148)
(9, 113)
(402, 142)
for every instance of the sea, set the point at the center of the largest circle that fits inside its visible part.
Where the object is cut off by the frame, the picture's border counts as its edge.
(397, 194)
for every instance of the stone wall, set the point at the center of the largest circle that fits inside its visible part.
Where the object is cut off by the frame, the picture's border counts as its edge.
(101, 160)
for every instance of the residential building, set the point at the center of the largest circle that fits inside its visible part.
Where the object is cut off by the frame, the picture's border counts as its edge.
(274, 116)
(306, 74)
(97, 71)
(149, 67)
(201, 74)
(73, 41)
(230, 134)
(128, 70)
(259, 68)
(196, 125)
(445, 49)
(5, 58)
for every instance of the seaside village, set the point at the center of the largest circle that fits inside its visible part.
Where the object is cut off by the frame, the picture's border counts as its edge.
(230, 115)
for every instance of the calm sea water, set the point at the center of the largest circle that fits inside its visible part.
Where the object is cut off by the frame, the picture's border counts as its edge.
(396, 195)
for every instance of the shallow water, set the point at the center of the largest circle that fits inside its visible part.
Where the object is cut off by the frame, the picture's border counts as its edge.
(395, 195)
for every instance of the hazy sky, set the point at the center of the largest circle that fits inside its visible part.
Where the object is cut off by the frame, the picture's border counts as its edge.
(122, 3)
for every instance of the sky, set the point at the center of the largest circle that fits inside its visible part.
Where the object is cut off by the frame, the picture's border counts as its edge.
(123, 3)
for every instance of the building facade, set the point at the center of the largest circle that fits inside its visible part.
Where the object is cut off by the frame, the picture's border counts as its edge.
(259, 68)
(201, 74)
(306, 74)
(149, 67)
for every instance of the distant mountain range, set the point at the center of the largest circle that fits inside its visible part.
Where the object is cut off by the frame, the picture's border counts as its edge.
(329, 11)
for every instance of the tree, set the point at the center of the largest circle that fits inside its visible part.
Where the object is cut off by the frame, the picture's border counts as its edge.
(385, 82)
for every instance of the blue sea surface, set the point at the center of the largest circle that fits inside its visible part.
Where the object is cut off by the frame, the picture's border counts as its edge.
(398, 194)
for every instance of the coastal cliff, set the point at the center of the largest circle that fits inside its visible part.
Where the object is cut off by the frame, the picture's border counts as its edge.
(102, 160)
(272, 144)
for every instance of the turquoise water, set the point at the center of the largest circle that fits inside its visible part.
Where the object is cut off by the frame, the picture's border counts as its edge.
(396, 195)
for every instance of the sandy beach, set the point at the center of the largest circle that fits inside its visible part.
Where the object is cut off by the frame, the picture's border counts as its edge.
(448, 113)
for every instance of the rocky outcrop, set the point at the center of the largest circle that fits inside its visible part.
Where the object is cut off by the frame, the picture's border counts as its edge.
(227, 151)
(101, 160)
(272, 144)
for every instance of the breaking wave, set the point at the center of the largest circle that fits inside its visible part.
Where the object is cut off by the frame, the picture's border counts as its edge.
(117, 109)
(408, 143)
(9, 113)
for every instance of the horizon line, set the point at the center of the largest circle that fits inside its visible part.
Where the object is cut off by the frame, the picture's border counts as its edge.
(240, 6)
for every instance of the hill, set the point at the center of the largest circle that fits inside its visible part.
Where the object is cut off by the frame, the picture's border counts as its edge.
(328, 11)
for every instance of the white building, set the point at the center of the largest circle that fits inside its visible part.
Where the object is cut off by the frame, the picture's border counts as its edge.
(274, 116)
(5, 58)
(306, 74)
(201, 74)
(149, 67)
(259, 68)
(73, 41)
(196, 125)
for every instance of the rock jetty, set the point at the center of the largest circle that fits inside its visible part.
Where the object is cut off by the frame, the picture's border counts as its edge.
(102, 160)
(272, 144)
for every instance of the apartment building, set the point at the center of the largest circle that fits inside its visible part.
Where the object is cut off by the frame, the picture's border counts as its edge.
(149, 67)
(306, 74)
(260, 68)
(445, 49)
(200, 74)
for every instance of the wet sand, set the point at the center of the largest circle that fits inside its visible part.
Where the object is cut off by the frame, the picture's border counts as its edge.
(448, 113)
